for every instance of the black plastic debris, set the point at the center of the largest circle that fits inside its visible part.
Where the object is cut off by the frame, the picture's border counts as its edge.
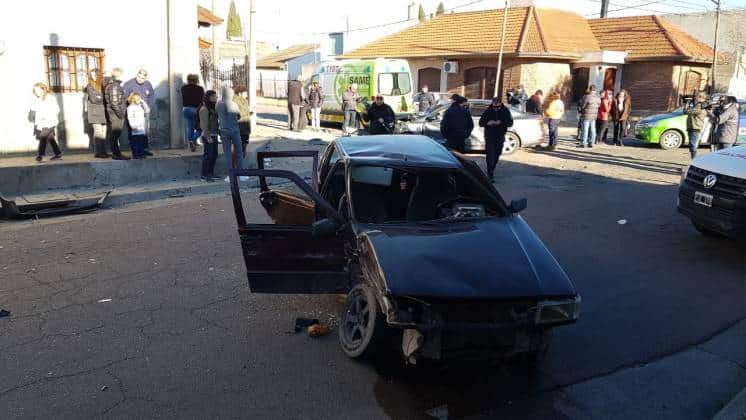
(303, 323)
(11, 210)
(4, 313)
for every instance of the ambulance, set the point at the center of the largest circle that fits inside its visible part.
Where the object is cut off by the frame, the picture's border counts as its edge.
(386, 77)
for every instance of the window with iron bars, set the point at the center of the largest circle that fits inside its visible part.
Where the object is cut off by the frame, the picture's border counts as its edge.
(68, 67)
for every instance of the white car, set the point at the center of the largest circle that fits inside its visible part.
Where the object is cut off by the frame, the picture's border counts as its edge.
(712, 193)
(527, 129)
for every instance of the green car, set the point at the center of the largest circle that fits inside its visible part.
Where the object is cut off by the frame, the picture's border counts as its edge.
(669, 130)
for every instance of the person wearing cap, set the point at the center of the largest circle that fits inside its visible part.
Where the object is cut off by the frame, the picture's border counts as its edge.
(695, 121)
(381, 117)
(725, 124)
(457, 124)
(496, 119)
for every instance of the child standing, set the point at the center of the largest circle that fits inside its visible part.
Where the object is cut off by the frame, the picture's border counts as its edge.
(136, 112)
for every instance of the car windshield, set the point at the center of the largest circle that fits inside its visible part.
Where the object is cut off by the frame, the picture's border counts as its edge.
(394, 84)
(381, 194)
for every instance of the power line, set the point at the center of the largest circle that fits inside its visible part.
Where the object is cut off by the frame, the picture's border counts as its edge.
(639, 6)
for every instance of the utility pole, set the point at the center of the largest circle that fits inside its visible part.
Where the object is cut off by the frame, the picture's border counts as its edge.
(715, 45)
(252, 79)
(214, 49)
(604, 8)
(498, 78)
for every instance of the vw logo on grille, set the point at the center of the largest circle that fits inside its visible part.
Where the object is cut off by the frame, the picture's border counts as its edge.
(710, 181)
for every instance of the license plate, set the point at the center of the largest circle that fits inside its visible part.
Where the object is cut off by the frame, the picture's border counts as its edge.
(703, 199)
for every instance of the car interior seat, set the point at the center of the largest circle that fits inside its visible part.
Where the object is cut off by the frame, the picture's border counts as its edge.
(429, 191)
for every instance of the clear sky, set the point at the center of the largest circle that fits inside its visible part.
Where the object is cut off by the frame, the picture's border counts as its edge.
(286, 22)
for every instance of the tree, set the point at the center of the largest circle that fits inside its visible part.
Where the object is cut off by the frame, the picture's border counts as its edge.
(440, 10)
(234, 23)
(421, 14)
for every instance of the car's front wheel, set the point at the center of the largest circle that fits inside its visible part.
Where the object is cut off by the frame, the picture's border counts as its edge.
(512, 143)
(361, 325)
(671, 139)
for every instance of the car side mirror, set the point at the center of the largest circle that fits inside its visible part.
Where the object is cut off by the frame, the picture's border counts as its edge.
(324, 228)
(517, 206)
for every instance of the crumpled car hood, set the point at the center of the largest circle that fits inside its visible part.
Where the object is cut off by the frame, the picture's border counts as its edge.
(494, 258)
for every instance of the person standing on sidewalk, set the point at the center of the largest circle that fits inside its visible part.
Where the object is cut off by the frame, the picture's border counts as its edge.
(554, 113)
(315, 100)
(588, 107)
(46, 114)
(230, 133)
(535, 104)
(137, 114)
(457, 124)
(695, 121)
(95, 114)
(208, 122)
(240, 97)
(116, 108)
(142, 86)
(496, 119)
(295, 101)
(192, 95)
(425, 99)
(604, 112)
(350, 99)
(726, 124)
(620, 110)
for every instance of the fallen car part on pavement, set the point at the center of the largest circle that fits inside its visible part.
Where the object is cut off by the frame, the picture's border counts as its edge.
(49, 208)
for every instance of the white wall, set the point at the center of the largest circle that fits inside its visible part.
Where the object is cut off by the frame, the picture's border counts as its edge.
(140, 40)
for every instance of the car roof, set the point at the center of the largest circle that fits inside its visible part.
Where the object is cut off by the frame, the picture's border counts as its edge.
(404, 150)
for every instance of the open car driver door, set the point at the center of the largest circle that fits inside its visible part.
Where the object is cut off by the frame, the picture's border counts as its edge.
(302, 248)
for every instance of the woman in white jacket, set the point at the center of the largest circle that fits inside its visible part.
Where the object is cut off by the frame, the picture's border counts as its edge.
(46, 113)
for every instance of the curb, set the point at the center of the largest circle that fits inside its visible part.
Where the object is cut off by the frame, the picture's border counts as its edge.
(735, 410)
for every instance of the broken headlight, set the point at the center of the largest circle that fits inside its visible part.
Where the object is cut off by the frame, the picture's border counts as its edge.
(557, 311)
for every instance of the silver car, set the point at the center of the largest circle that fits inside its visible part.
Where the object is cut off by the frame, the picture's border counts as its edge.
(527, 129)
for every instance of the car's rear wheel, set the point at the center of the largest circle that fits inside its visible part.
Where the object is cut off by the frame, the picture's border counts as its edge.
(512, 143)
(671, 139)
(361, 325)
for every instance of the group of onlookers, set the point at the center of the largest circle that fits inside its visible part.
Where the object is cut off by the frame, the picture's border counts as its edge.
(108, 107)
(599, 114)
(298, 97)
(723, 119)
(209, 121)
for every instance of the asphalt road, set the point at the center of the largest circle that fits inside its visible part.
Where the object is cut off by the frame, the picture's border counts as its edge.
(144, 312)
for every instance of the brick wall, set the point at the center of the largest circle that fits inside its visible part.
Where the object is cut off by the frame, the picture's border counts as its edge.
(658, 85)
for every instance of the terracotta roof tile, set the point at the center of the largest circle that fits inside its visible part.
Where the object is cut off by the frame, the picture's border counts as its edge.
(648, 37)
(474, 33)
(206, 17)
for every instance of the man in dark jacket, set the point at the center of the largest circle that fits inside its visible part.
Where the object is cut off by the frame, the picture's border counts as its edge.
(620, 110)
(116, 110)
(381, 117)
(295, 101)
(535, 103)
(695, 122)
(496, 119)
(726, 124)
(588, 108)
(141, 85)
(457, 124)
(425, 99)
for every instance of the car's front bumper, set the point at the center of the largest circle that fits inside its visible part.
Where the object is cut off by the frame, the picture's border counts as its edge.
(727, 216)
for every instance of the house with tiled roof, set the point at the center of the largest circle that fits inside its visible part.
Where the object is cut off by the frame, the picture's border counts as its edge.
(550, 50)
(663, 63)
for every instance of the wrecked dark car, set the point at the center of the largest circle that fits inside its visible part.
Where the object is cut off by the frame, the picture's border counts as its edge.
(427, 251)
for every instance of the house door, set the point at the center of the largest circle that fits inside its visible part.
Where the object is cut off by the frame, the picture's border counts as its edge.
(692, 83)
(429, 76)
(579, 82)
(609, 78)
(479, 82)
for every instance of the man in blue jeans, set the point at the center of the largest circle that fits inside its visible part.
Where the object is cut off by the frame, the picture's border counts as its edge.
(350, 99)
(695, 121)
(228, 116)
(588, 108)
